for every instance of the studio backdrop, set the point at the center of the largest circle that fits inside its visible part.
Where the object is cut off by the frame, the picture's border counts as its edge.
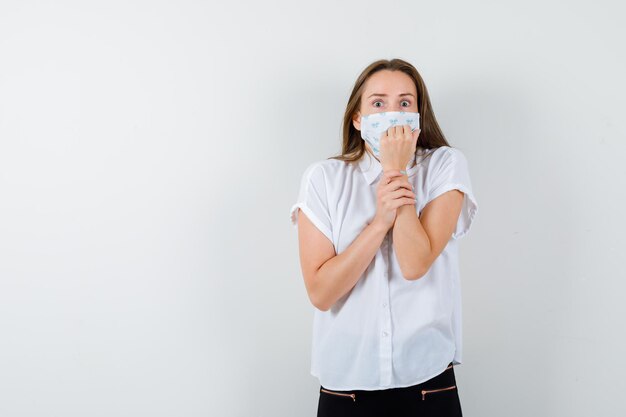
(150, 153)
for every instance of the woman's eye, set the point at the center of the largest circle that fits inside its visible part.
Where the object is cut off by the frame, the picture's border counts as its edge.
(408, 103)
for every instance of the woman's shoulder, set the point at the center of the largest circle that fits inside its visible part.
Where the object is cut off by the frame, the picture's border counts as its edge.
(443, 154)
(443, 151)
(323, 168)
(329, 165)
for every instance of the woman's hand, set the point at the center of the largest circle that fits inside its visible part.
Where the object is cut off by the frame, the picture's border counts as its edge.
(393, 191)
(397, 146)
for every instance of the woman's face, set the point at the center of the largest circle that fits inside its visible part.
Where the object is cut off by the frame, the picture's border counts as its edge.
(387, 91)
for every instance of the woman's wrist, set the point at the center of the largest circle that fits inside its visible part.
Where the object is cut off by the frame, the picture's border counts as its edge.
(379, 227)
(402, 171)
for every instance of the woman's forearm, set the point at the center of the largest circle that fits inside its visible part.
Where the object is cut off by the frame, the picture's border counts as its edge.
(340, 273)
(411, 243)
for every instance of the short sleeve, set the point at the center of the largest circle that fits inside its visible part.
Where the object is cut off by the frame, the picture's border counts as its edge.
(449, 170)
(313, 200)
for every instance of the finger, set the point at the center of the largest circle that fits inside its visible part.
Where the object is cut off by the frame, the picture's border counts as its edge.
(401, 202)
(405, 182)
(384, 137)
(402, 181)
(399, 131)
(392, 184)
(401, 192)
(416, 134)
(406, 131)
(388, 177)
(392, 173)
(393, 187)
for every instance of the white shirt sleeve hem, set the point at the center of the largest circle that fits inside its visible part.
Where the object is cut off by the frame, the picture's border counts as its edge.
(311, 215)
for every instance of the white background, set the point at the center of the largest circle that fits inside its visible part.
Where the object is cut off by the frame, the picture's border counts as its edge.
(150, 152)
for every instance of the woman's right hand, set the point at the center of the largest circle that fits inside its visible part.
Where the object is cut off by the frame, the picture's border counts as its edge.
(393, 191)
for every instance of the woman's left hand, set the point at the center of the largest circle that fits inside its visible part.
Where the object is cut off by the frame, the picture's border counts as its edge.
(397, 147)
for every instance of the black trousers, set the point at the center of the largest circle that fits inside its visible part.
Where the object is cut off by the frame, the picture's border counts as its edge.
(436, 397)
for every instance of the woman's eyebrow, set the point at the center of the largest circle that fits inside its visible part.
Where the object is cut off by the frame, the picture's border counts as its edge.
(385, 95)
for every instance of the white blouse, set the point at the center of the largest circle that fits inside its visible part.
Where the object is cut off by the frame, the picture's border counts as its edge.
(387, 331)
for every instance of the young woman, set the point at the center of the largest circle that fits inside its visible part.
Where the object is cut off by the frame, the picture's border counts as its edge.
(378, 229)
